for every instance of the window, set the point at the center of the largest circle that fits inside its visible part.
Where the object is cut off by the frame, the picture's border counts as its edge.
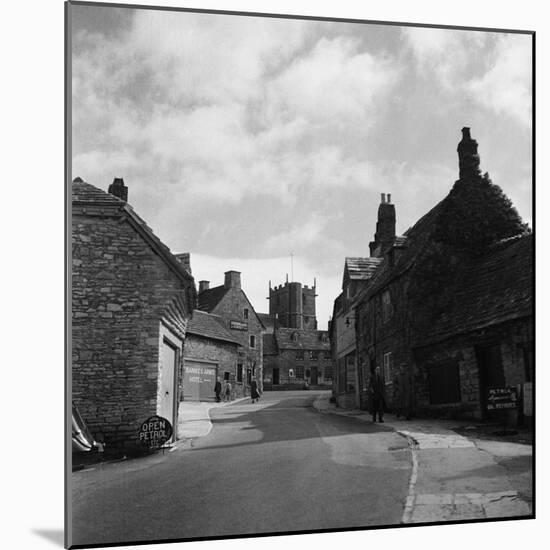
(245, 313)
(314, 355)
(300, 372)
(239, 372)
(327, 355)
(299, 355)
(252, 341)
(444, 383)
(386, 306)
(388, 364)
(294, 337)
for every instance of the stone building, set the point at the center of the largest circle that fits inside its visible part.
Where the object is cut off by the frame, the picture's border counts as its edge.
(131, 301)
(238, 317)
(448, 313)
(210, 351)
(296, 354)
(293, 305)
(295, 359)
(346, 383)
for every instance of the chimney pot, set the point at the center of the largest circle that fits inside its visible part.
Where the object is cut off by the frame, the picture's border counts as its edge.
(389, 198)
(383, 198)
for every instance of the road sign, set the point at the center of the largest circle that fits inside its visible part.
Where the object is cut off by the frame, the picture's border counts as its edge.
(155, 432)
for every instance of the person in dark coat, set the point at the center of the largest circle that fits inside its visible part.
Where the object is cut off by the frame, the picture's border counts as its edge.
(378, 395)
(218, 389)
(254, 394)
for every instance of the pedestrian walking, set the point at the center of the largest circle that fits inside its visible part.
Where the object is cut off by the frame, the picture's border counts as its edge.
(218, 389)
(227, 391)
(254, 394)
(378, 395)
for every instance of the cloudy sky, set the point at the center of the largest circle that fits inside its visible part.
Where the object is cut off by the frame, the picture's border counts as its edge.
(245, 139)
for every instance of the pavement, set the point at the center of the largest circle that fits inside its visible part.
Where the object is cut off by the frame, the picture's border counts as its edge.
(194, 417)
(458, 477)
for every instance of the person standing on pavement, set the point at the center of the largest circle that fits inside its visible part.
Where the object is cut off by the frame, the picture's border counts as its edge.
(378, 395)
(254, 394)
(227, 391)
(218, 389)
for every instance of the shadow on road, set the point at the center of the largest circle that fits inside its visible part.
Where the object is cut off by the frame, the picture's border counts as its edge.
(290, 419)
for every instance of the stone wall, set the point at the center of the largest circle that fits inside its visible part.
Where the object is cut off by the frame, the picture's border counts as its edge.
(231, 308)
(511, 338)
(224, 354)
(286, 360)
(121, 290)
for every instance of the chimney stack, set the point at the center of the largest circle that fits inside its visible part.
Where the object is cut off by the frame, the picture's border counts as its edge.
(232, 279)
(203, 285)
(185, 260)
(385, 228)
(468, 158)
(118, 189)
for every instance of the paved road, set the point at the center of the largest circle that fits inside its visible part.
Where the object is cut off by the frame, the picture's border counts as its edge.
(278, 465)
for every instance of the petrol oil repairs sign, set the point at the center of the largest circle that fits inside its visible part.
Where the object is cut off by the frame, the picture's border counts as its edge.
(155, 432)
(502, 398)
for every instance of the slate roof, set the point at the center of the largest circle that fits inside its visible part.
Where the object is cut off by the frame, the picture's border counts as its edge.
(86, 195)
(307, 339)
(270, 344)
(490, 290)
(267, 320)
(85, 192)
(361, 268)
(209, 326)
(210, 298)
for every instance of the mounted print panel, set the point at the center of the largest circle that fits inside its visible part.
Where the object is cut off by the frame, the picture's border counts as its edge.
(301, 275)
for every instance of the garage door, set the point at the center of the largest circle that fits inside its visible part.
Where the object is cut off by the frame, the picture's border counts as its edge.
(199, 380)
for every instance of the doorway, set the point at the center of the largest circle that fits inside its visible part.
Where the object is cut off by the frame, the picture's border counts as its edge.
(275, 376)
(314, 376)
(169, 357)
(491, 373)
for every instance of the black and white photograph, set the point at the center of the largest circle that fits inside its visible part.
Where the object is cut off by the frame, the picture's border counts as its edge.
(301, 274)
(281, 288)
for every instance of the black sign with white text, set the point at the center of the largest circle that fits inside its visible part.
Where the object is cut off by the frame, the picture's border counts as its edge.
(155, 432)
(502, 398)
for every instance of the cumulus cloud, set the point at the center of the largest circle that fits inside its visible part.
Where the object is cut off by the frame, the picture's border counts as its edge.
(506, 87)
(230, 107)
(492, 69)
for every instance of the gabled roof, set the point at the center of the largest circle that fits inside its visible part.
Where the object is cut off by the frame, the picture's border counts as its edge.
(209, 326)
(305, 339)
(210, 298)
(361, 269)
(85, 196)
(489, 290)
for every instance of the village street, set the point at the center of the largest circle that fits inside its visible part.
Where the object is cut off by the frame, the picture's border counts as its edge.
(287, 464)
